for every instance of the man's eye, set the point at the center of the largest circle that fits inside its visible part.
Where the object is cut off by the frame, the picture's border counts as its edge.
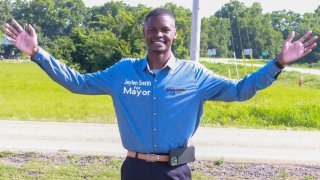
(166, 31)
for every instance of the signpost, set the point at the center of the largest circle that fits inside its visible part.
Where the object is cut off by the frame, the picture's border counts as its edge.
(247, 52)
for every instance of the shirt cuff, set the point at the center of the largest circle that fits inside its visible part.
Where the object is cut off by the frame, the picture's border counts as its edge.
(40, 55)
(272, 69)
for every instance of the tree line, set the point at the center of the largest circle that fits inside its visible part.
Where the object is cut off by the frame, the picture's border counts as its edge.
(90, 39)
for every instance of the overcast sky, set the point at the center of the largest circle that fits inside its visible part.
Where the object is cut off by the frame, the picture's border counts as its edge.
(209, 7)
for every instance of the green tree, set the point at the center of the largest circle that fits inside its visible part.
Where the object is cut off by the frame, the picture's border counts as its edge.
(183, 24)
(94, 38)
(215, 33)
(124, 21)
(5, 10)
(232, 11)
(285, 21)
(53, 18)
(96, 50)
(307, 22)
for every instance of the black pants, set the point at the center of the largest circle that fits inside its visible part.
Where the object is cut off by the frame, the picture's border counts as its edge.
(137, 169)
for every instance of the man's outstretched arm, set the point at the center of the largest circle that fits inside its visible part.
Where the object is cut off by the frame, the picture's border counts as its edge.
(217, 88)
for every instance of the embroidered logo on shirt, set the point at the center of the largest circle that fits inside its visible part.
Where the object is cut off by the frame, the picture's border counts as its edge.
(175, 89)
(136, 88)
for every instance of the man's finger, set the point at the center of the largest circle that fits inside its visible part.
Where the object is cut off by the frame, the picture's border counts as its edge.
(290, 37)
(10, 33)
(310, 41)
(308, 50)
(17, 25)
(32, 31)
(305, 36)
(312, 46)
(13, 41)
(10, 30)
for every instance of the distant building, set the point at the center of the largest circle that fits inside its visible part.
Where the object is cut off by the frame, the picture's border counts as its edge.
(4, 41)
(7, 49)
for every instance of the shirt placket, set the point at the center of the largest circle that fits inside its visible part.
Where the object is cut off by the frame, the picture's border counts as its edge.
(154, 118)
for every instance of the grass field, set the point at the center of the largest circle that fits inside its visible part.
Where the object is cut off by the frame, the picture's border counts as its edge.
(27, 93)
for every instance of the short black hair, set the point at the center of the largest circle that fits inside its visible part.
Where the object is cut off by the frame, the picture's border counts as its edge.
(159, 12)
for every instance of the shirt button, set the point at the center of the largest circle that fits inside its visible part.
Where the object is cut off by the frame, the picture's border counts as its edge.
(154, 98)
(154, 113)
(154, 129)
(155, 80)
(155, 145)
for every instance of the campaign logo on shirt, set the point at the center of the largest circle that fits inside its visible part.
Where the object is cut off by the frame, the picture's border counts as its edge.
(175, 89)
(136, 88)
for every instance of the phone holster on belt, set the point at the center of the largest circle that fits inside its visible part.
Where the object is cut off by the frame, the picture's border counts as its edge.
(182, 155)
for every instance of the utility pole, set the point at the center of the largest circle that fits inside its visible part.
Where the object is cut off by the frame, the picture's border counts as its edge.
(195, 32)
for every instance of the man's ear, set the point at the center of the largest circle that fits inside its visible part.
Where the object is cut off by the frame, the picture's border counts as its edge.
(175, 34)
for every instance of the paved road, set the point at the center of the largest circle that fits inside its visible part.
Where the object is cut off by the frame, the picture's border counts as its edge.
(239, 62)
(244, 145)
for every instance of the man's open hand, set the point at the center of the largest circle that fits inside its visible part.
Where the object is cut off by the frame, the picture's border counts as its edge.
(25, 42)
(291, 52)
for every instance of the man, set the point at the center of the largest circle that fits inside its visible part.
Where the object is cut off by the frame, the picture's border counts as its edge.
(158, 99)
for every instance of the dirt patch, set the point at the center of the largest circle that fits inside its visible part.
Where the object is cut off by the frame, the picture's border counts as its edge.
(230, 170)
(19, 159)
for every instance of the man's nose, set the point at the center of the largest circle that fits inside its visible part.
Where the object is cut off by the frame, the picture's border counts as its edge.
(159, 33)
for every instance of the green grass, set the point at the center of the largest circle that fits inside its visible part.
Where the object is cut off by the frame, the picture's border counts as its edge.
(282, 105)
(37, 168)
(27, 93)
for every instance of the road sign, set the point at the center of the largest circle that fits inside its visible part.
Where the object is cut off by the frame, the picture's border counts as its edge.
(247, 51)
(265, 53)
(212, 52)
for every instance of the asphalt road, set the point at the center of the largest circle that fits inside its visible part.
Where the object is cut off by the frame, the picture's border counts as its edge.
(242, 145)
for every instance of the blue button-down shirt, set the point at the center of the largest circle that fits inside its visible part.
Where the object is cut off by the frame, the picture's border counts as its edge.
(160, 112)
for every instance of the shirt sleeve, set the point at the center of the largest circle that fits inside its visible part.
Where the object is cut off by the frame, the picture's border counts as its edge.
(214, 87)
(90, 83)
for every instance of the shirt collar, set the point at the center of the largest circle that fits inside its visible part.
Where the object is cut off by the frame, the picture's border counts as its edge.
(172, 63)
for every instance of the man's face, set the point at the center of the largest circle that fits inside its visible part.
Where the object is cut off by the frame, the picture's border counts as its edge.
(159, 32)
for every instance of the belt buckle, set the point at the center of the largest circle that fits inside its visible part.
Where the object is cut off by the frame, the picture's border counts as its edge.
(150, 157)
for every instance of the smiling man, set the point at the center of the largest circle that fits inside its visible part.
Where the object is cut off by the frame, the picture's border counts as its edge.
(158, 99)
(159, 32)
